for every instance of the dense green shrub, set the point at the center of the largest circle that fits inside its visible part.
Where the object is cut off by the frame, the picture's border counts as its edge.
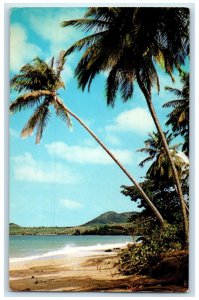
(139, 258)
(164, 197)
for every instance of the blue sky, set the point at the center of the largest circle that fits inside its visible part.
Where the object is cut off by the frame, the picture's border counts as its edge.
(67, 179)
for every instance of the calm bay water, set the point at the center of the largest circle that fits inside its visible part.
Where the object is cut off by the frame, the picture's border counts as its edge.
(36, 247)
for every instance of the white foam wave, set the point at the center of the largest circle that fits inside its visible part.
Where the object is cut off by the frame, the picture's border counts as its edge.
(72, 251)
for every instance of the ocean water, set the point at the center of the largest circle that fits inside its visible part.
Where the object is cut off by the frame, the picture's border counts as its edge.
(40, 247)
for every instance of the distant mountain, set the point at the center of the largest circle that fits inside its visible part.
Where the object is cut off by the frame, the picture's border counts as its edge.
(111, 217)
(13, 225)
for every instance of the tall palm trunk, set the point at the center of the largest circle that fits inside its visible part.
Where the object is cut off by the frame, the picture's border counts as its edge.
(151, 205)
(174, 170)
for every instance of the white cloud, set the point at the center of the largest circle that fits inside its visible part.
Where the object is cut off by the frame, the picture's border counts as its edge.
(70, 204)
(90, 142)
(87, 154)
(48, 27)
(136, 120)
(26, 168)
(21, 51)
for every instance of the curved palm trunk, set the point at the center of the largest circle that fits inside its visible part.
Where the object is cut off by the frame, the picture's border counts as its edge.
(186, 207)
(151, 205)
(174, 170)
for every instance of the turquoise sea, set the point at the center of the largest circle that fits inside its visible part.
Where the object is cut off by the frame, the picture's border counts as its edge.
(40, 247)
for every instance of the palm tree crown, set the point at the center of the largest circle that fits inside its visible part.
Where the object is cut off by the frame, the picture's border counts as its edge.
(179, 116)
(160, 168)
(126, 42)
(40, 81)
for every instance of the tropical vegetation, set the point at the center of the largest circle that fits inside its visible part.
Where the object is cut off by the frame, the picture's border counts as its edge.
(178, 118)
(129, 43)
(158, 185)
(160, 169)
(140, 258)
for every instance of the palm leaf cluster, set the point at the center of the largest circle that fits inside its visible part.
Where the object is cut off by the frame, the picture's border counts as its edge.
(127, 42)
(160, 169)
(40, 82)
(178, 118)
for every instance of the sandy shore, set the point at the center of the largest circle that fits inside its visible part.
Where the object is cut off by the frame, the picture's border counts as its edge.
(91, 273)
(67, 274)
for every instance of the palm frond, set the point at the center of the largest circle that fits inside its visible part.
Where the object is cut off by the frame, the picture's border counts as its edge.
(36, 76)
(37, 116)
(85, 42)
(86, 24)
(60, 62)
(142, 163)
(21, 82)
(175, 91)
(148, 149)
(28, 100)
(178, 118)
(172, 103)
(102, 13)
(153, 75)
(112, 84)
(126, 85)
(42, 123)
(168, 63)
(89, 66)
(143, 79)
(62, 112)
(154, 148)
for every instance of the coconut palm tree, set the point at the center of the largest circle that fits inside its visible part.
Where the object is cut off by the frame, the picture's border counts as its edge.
(128, 42)
(160, 169)
(41, 82)
(178, 118)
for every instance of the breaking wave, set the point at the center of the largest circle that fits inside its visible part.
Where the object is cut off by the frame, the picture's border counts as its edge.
(72, 251)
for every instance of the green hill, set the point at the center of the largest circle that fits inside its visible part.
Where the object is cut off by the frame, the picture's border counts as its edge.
(107, 223)
(13, 225)
(111, 217)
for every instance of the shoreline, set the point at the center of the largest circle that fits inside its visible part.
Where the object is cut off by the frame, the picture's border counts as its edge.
(91, 273)
(46, 257)
(85, 273)
(66, 234)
